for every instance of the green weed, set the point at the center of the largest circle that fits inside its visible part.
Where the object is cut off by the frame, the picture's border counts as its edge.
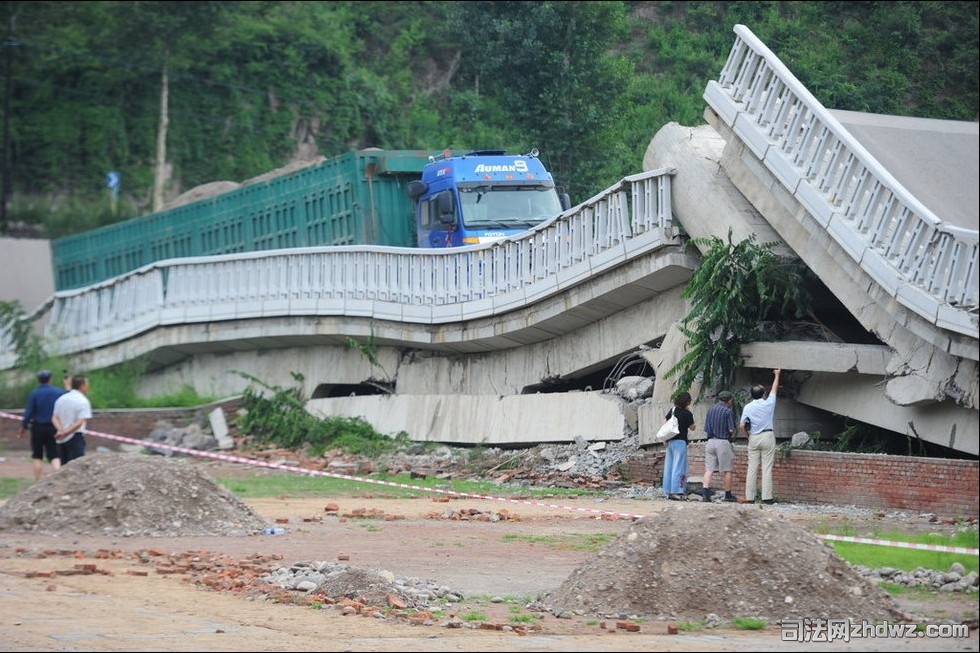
(748, 623)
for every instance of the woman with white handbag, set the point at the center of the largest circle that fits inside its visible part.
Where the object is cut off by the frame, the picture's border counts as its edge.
(675, 463)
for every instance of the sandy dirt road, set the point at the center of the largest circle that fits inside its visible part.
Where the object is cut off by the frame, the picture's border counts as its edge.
(97, 593)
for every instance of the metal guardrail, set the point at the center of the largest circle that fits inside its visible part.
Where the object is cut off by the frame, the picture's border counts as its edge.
(428, 286)
(930, 267)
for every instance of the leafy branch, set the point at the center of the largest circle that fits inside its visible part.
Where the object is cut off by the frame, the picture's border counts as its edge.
(369, 350)
(734, 290)
(277, 415)
(15, 326)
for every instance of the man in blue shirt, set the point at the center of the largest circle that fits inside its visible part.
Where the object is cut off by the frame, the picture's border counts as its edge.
(719, 454)
(37, 418)
(756, 423)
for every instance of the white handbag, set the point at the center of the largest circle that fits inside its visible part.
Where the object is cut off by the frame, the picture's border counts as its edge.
(668, 430)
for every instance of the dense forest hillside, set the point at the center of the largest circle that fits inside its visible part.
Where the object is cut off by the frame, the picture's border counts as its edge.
(175, 94)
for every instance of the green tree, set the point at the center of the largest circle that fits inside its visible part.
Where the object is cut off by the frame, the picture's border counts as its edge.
(735, 290)
(587, 83)
(547, 69)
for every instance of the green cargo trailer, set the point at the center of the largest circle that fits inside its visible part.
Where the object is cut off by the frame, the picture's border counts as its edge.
(358, 198)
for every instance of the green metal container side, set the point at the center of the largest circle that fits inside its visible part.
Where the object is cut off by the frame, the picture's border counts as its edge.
(358, 198)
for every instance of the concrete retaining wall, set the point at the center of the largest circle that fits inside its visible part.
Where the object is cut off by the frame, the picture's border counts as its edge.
(511, 420)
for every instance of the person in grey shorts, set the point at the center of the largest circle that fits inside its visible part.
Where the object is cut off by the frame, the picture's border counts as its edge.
(719, 452)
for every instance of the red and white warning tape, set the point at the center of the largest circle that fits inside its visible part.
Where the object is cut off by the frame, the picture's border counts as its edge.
(526, 502)
(902, 545)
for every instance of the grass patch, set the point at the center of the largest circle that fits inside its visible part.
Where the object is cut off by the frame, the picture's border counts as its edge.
(691, 626)
(923, 594)
(515, 602)
(876, 556)
(915, 593)
(565, 542)
(287, 484)
(473, 615)
(11, 486)
(293, 484)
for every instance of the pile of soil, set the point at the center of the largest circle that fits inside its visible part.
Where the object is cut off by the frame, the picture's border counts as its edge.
(721, 561)
(129, 495)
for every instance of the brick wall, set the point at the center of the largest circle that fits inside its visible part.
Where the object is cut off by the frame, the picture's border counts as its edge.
(946, 487)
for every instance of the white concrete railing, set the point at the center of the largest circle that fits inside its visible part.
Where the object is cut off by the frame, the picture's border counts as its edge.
(930, 267)
(428, 286)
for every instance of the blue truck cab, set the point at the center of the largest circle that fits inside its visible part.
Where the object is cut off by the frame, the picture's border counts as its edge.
(481, 197)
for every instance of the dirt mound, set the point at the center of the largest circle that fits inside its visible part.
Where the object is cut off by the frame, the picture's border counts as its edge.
(687, 562)
(204, 191)
(690, 562)
(129, 494)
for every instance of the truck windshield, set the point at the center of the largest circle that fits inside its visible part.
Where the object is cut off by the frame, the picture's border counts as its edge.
(511, 207)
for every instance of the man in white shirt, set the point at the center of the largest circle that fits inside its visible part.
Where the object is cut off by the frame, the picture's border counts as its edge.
(756, 423)
(71, 413)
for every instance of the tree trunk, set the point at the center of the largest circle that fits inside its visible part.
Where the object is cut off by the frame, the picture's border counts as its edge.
(160, 176)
